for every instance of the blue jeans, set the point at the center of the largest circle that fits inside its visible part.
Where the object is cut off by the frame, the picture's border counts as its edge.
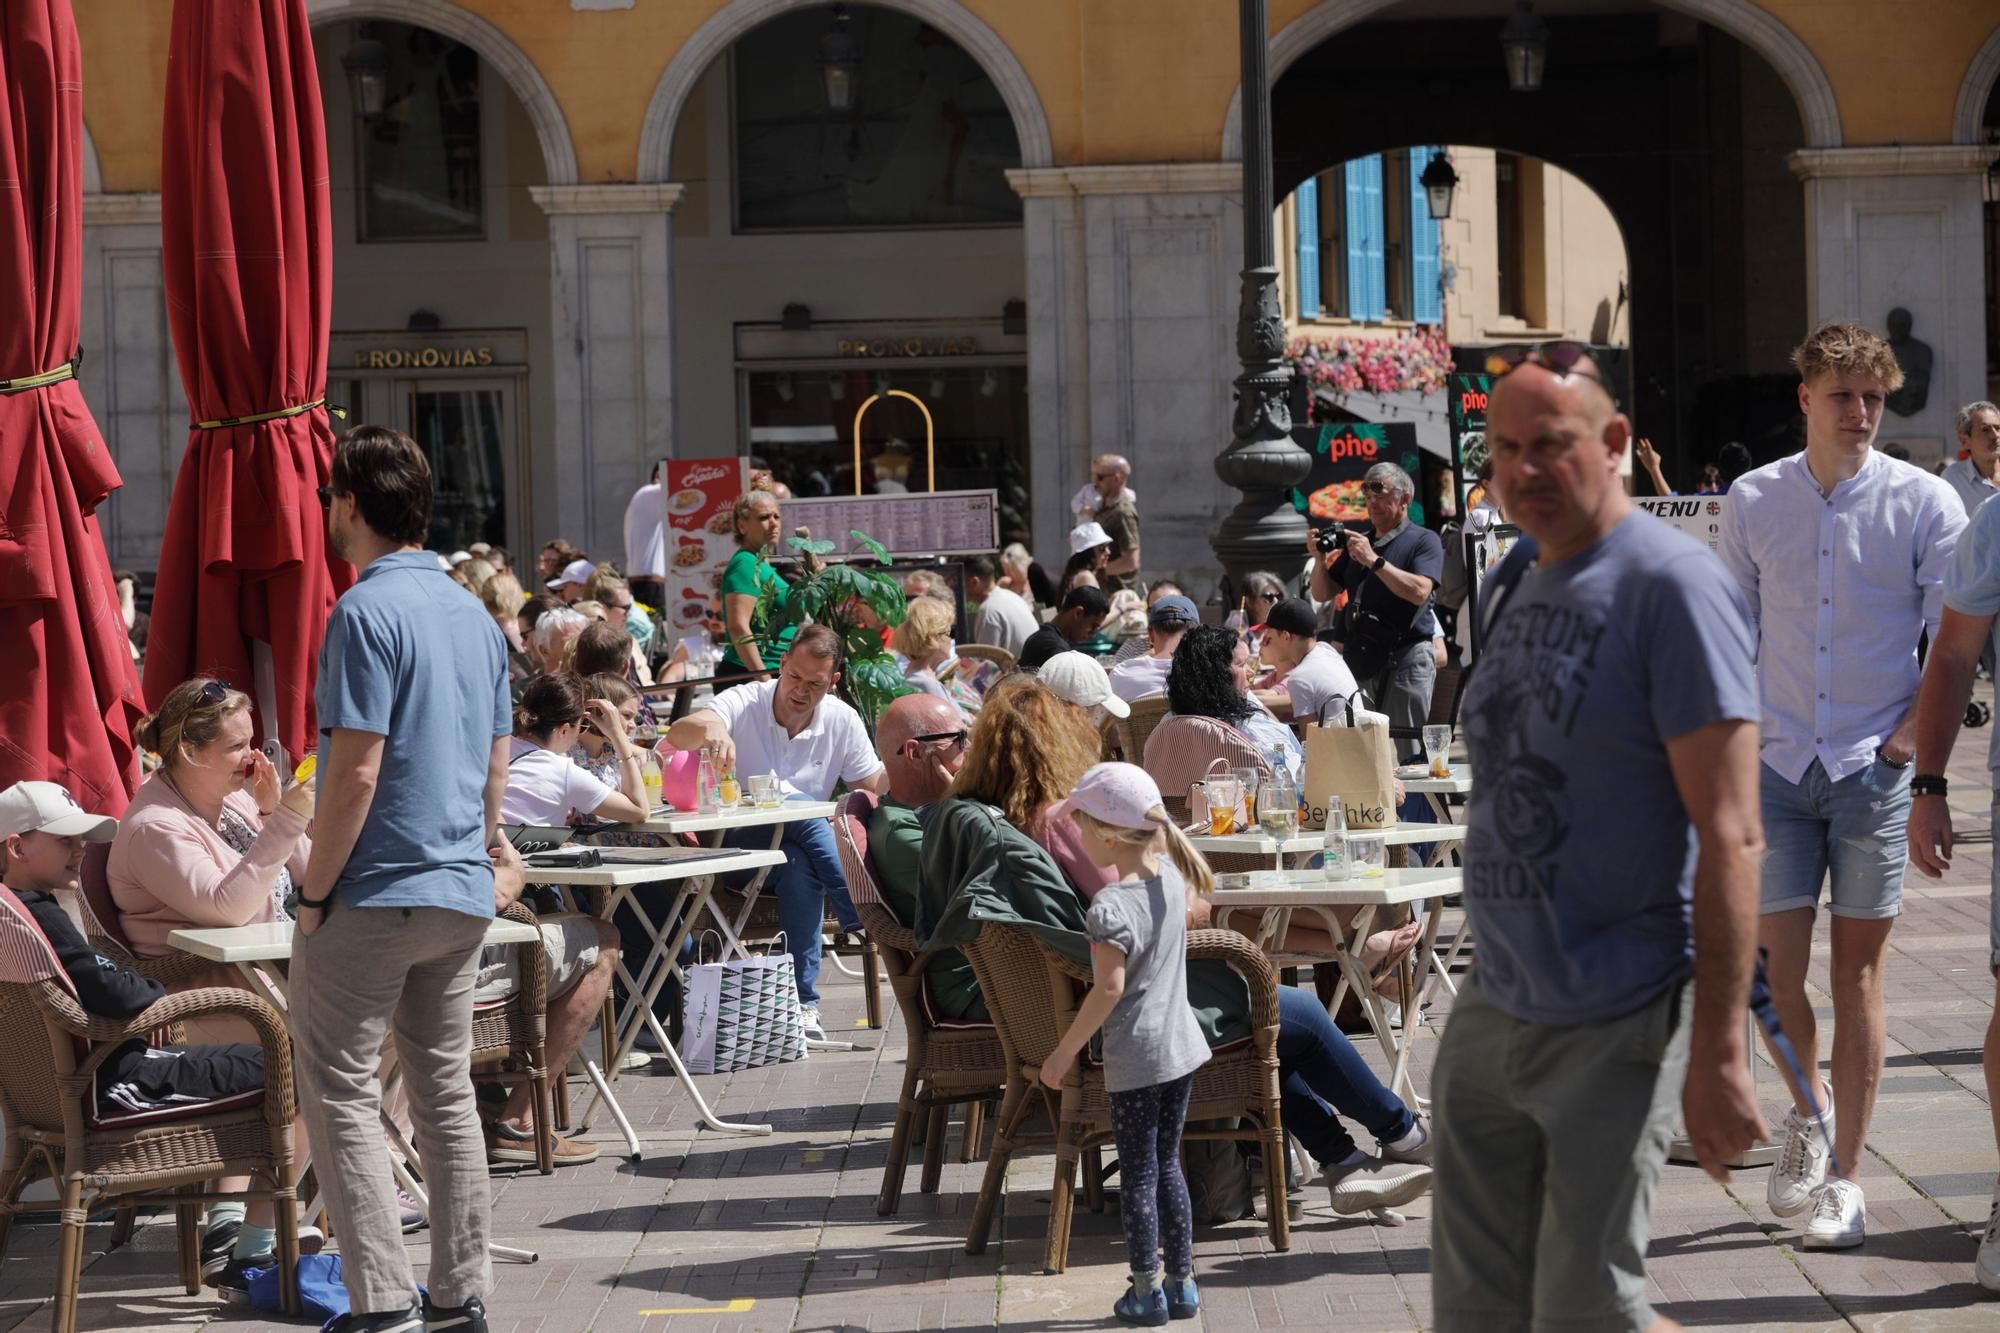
(1323, 1074)
(1856, 828)
(809, 879)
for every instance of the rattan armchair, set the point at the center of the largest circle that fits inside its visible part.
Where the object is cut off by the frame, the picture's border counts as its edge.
(987, 652)
(508, 1037)
(50, 1051)
(176, 971)
(1032, 993)
(1134, 731)
(942, 1066)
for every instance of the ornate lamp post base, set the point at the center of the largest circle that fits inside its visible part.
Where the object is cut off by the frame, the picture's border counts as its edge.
(1264, 531)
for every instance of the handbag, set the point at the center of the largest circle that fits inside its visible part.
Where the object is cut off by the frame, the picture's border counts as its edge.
(742, 1013)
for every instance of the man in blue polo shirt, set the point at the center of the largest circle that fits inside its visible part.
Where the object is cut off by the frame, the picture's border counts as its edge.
(414, 718)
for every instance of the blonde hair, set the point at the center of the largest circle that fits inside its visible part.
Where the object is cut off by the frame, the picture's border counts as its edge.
(1847, 349)
(1026, 752)
(502, 596)
(606, 579)
(188, 716)
(478, 573)
(741, 510)
(1165, 836)
(926, 627)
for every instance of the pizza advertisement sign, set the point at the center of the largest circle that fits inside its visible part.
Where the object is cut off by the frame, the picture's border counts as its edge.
(1342, 454)
(1465, 414)
(699, 494)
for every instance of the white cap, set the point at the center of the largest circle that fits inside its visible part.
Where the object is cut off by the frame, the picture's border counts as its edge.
(1077, 678)
(44, 807)
(458, 558)
(1086, 535)
(1123, 795)
(575, 572)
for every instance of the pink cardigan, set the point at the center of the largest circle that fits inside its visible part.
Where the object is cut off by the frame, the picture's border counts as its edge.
(170, 869)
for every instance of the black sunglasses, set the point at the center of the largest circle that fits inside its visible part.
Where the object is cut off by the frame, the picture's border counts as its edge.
(1374, 488)
(215, 692)
(328, 494)
(1566, 357)
(956, 738)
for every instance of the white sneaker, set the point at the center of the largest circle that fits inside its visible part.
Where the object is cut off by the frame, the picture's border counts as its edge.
(809, 1017)
(1801, 1165)
(1839, 1217)
(1373, 1183)
(1987, 1266)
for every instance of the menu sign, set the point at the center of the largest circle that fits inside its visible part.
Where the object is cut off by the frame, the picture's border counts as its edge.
(1699, 516)
(1465, 404)
(923, 523)
(698, 496)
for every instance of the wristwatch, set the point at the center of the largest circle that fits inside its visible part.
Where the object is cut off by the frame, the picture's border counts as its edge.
(1927, 784)
(1380, 560)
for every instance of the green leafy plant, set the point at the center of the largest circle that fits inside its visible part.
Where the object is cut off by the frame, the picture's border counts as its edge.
(835, 595)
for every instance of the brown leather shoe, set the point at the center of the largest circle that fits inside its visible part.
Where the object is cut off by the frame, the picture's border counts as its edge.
(570, 1152)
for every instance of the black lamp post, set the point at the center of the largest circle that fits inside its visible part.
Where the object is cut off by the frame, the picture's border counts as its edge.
(839, 60)
(1524, 42)
(1264, 530)
(1438, 180)
(366, 64)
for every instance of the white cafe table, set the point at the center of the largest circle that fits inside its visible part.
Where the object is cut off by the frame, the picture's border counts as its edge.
(710, 829)
(1310, 843)
(1438, 792)
(617, 880)
(1276, 895)
(252, 950)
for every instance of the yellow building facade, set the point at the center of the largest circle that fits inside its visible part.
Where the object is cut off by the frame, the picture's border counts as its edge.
(620, 257)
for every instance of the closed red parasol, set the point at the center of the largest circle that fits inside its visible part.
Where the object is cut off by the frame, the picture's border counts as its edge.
(69, 698)
(245, 577)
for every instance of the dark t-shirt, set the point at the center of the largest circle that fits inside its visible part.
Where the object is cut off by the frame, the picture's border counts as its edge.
(1411, 548)
(1043, 644)
(1120, 519)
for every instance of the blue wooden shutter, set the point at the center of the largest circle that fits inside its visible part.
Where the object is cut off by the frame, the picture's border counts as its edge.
(1426, 301)
(1367, 285)
(1305, 217)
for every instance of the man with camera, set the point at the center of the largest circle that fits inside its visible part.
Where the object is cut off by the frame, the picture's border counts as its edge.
(1389, 571)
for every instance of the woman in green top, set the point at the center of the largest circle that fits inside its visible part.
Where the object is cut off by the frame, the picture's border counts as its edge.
(746, 579)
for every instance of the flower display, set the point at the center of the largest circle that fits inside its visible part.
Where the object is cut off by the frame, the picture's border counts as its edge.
(1336, 366)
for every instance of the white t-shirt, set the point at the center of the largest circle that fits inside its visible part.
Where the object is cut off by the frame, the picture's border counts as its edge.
(834, 747)
(1140, 677)
(1323, 675)
(645, 533)
(1005, 620)
(544, 786)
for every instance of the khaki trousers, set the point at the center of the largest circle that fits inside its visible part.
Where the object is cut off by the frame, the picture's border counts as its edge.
(366, 973)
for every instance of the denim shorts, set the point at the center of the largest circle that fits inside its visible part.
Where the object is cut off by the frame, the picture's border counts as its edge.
(1856, 829)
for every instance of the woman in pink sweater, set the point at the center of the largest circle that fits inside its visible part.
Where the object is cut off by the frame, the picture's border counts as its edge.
(208, 840)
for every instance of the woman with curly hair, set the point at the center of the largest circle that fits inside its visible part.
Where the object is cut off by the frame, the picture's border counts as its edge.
(1210, 678)
(1026, 751)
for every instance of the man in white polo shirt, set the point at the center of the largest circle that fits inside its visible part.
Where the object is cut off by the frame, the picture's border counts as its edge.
(790, 727)
(1145, 676)
(1312, 673)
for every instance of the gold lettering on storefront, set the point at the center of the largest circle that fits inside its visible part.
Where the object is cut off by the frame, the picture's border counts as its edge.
(422, 358)
(884, 347)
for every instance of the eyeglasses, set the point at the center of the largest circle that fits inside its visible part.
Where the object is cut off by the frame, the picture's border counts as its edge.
(1558, 358)
(952, 739)
(1374, 488)
(328, 494)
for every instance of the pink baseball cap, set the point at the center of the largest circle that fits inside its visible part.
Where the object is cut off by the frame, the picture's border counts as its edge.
(1120, 794)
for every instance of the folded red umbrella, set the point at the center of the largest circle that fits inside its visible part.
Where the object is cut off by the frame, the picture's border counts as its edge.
(247, 237)
(69, 698)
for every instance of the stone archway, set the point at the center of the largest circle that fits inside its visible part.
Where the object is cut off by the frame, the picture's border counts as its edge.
(1752, 26)
(713, 38)
(494, 47)
(1980, 76)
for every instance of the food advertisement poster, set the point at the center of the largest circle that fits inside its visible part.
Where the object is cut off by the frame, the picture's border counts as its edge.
(1466, 414)
(1342, 454)
(699, 494)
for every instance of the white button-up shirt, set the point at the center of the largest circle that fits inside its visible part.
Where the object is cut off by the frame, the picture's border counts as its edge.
(1838, 587)
(833, 747)
(1972, 485)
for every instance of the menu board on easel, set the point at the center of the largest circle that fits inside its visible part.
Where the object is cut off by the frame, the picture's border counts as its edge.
(923, 523)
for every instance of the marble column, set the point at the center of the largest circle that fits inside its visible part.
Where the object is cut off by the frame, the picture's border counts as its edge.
(1131, 299)
(129, 376)
(1889, 227)
(611, 257)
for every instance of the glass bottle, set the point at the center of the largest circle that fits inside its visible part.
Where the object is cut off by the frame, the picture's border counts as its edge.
(1337, 862)
(705, 781)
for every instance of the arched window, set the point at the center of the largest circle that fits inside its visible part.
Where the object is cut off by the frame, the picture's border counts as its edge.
(418, 158)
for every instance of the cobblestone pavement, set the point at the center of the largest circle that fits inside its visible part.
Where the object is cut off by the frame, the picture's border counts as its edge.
(714, 1234)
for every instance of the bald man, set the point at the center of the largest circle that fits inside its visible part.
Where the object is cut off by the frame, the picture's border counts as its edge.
(1118, 511)
(1616, 704)
(921, 739)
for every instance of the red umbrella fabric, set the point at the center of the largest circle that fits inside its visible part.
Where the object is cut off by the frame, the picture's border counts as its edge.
(247, 241)
(69, 697)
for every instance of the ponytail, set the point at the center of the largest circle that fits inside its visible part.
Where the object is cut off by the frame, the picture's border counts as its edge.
(1187, 859)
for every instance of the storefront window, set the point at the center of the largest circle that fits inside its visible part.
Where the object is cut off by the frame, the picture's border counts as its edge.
(924, 143)
(420, 158)
(802, 428)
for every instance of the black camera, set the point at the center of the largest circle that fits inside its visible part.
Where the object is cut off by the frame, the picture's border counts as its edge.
(1329, 538)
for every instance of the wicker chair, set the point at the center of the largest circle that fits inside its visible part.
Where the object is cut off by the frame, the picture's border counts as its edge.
(1134, 731)
(943, 1066)
(986, 652)
(50, 1052)
(176, 971)
(508, 1037)
(1032, 992)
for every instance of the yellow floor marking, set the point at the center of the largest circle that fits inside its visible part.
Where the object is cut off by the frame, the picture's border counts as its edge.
(741, 1305)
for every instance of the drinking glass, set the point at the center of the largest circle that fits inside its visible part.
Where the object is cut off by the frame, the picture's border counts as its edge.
(764, 790)
(1437, 747)
(1223, 797)
(1247, 779)
(1369, 853)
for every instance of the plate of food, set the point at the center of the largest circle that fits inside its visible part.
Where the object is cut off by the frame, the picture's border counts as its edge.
(691, 553)
(687, 501)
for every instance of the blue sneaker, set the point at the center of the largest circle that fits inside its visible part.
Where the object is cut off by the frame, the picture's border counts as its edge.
(1183, 1297)
(1149, 1309)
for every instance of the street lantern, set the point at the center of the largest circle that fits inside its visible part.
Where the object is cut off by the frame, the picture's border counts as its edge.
(1524, 41)
(1438, 180)
(839, 61)
(366, 62)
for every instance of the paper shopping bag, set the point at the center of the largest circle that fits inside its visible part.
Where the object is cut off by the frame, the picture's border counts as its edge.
(742, 1014)
(1354, 765)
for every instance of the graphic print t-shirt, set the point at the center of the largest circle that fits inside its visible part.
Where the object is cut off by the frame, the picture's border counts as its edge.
(1579, 857)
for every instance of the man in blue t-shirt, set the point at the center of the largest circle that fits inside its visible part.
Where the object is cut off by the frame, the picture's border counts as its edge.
(414, 719)
(1611, 854)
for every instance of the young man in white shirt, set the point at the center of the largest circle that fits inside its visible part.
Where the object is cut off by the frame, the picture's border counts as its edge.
(1840, 555)
(1001, 617)
(1314, 674)
(791, 727)
(1979, 439)
(1145, 676)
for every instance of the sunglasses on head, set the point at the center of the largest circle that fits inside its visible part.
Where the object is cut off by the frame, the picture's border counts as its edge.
(215, 692)
(1560, 359)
